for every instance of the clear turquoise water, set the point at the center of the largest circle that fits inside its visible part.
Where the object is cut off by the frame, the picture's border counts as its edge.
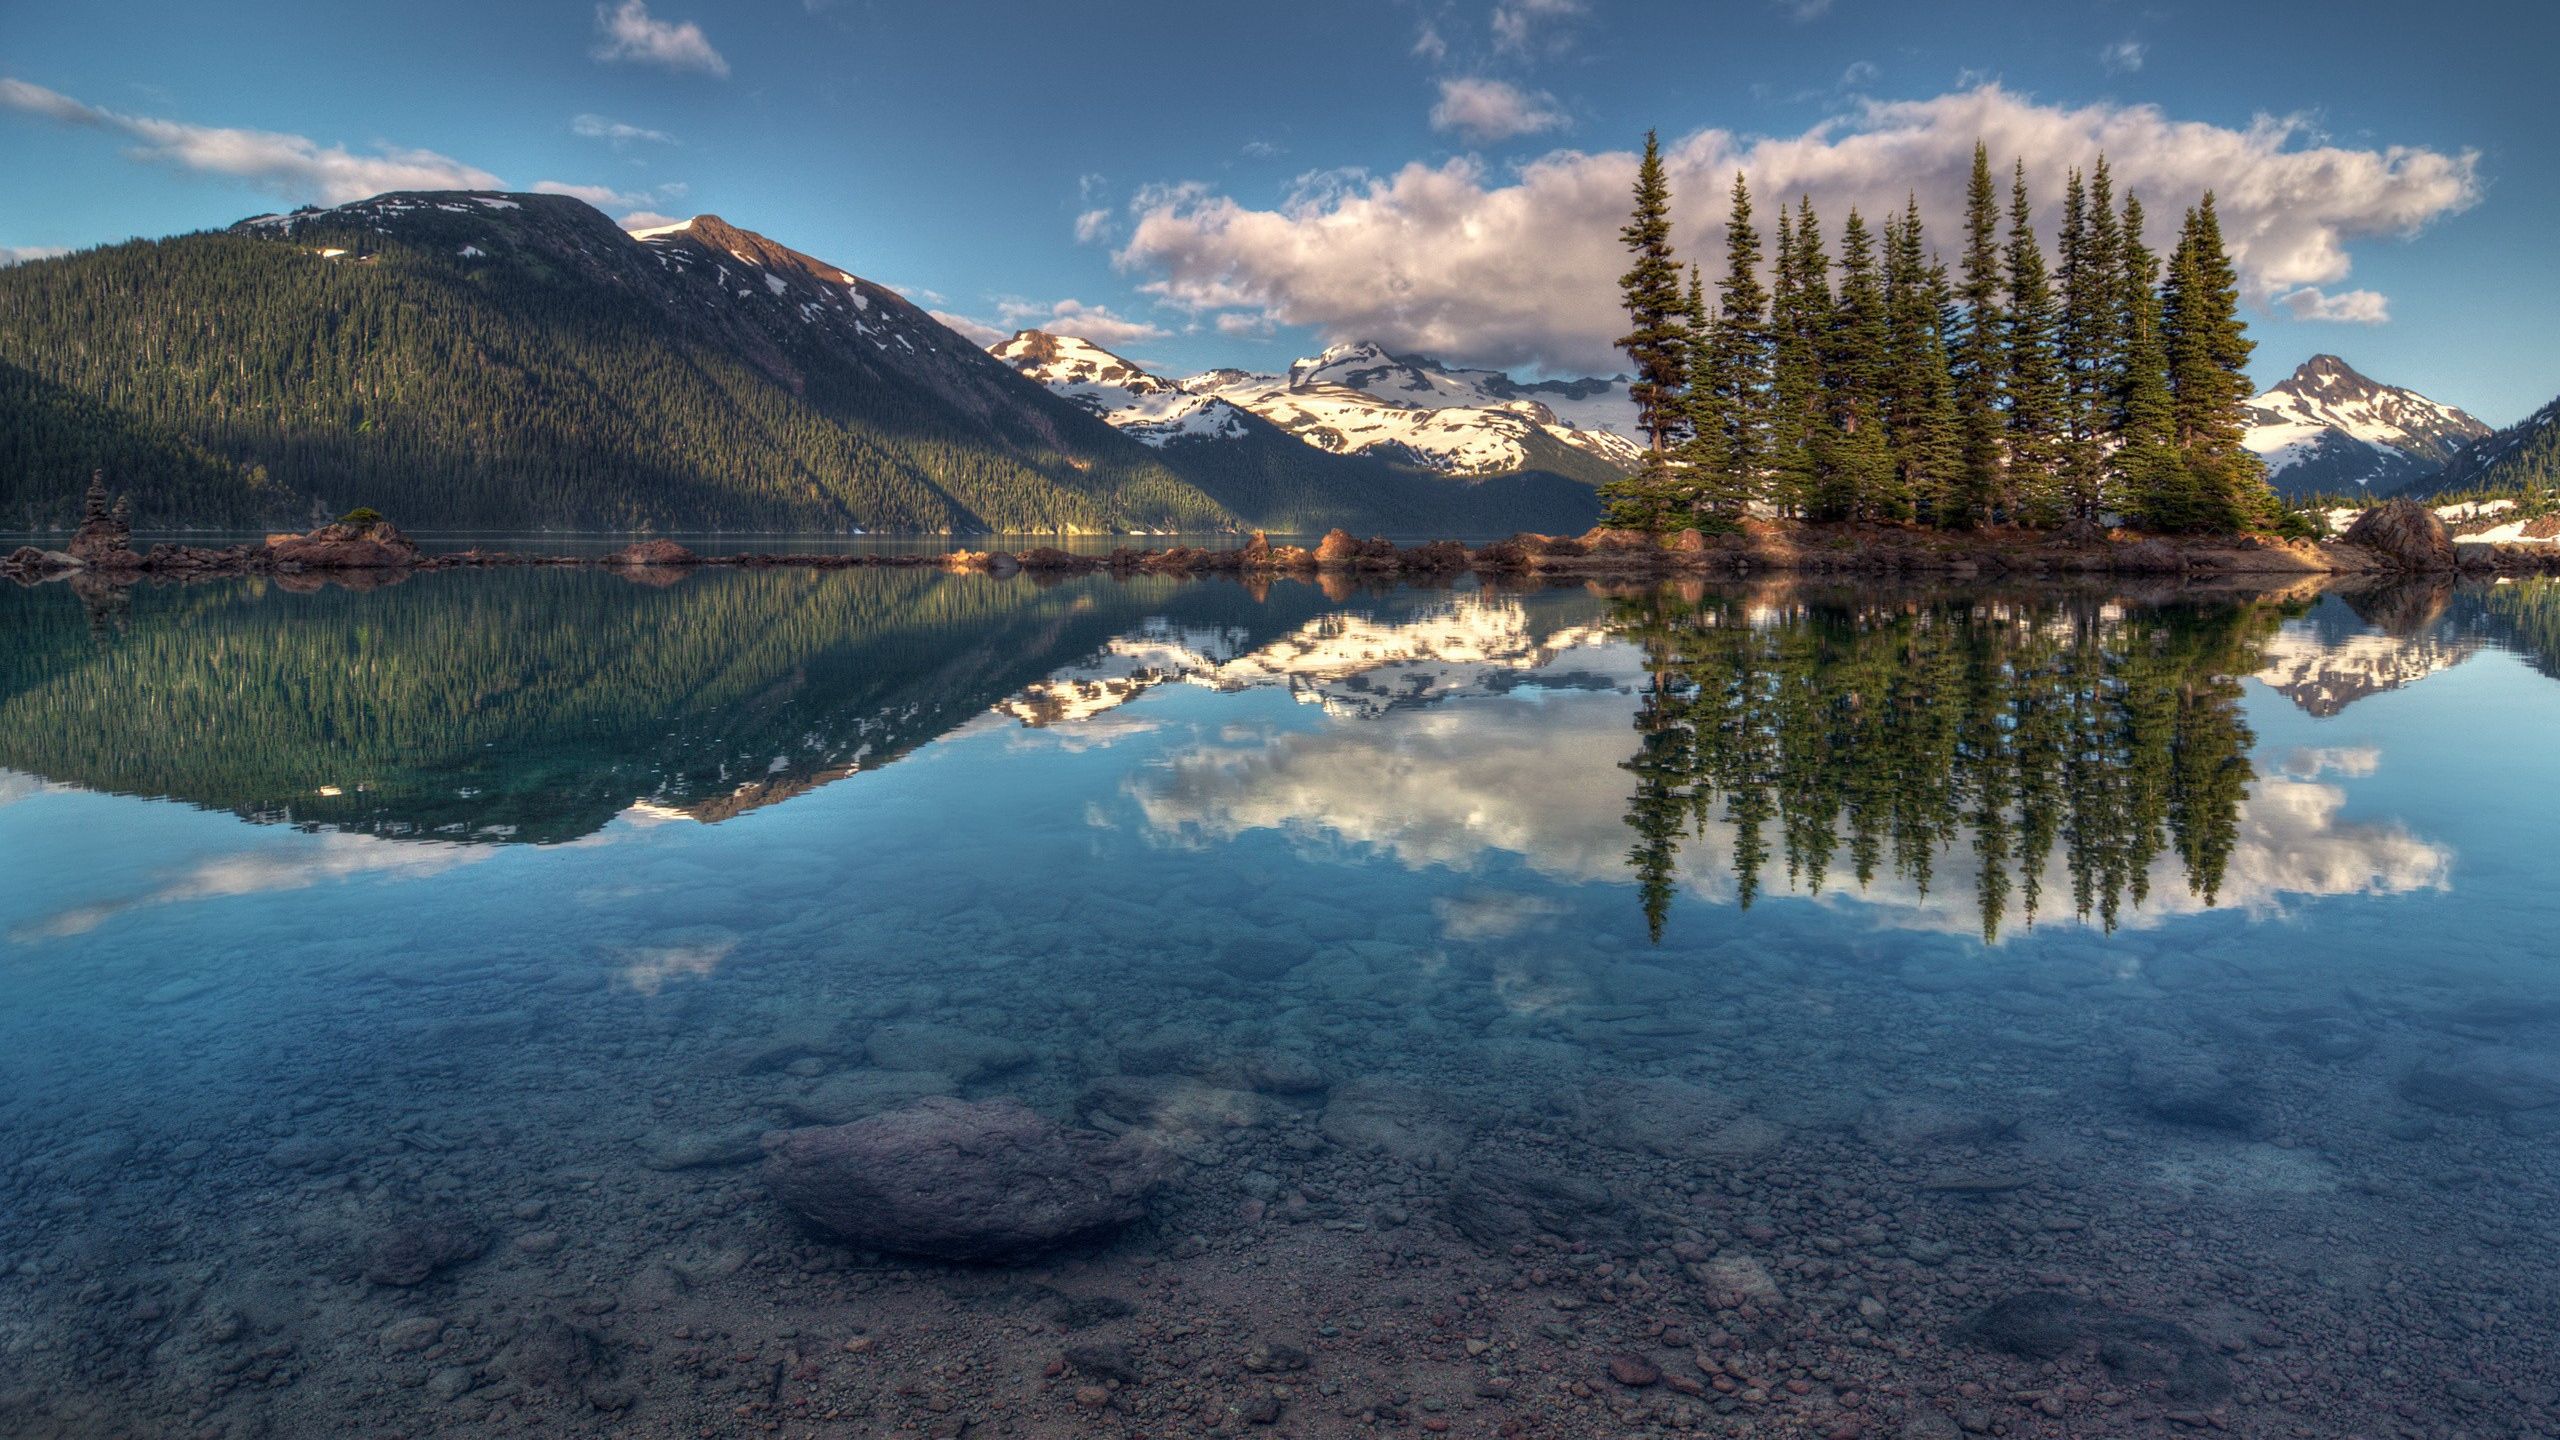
(487, 902)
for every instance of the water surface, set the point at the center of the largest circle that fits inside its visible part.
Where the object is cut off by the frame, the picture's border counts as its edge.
(1755, 1011)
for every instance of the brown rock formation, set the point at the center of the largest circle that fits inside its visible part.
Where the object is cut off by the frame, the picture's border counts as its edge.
(2407, 533)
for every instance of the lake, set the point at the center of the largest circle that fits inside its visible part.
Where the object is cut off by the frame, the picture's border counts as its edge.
(1767, 1010)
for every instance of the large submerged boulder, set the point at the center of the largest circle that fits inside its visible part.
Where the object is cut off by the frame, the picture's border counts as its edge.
(2407, 533)
(966, 1180)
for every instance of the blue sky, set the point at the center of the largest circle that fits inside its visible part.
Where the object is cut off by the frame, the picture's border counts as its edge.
(1197, 185)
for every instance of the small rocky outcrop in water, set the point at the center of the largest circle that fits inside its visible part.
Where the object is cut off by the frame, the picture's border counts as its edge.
(967, 1180)
(2408, 533)
(653, 552)
(362, 541)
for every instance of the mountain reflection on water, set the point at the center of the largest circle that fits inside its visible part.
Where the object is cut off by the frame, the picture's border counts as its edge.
(2057, 754)
(1768, 1009)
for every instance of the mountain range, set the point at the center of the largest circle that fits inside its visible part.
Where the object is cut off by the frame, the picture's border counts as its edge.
(483, 360)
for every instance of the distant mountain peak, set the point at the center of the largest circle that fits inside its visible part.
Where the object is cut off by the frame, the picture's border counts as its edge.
(2327, 372)
(2330, 429)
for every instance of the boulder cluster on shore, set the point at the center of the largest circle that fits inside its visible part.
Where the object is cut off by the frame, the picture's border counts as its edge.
(2398, 537)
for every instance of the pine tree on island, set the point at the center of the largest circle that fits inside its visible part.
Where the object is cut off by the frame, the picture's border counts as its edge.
(2101, 387)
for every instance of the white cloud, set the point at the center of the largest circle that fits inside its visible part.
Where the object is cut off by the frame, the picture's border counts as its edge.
(648, 220)
(20, 254)
(603, 197)
(2350, 307)
(976, 332)
(629, 32)
(293, 166)
(598, 127)
(1519, 25)
(1859, 75)
(1484, 111)
(1074, 317)
(1093, 225)
(1429, 45)
(2124, 57)
(1519, 267)
(1802, 11)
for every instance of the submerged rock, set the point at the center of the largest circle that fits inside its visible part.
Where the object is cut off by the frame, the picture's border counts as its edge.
(964, 1055)
(1404, 1121)
(982, 1180)
(410, 1252)
(2044, 1325)
(1499, 1202)
(2488, 1082)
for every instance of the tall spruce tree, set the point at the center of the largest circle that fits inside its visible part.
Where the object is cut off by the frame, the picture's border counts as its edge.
(2104, 329)
(1980, 354)
(1656, 343)
(2209, 387)
(1731, 388)
(2149, 481)
(2086, 277)
(1800, 319)
(1857, 479)
(1657, 337)
(1920, 400)
(2034, 378)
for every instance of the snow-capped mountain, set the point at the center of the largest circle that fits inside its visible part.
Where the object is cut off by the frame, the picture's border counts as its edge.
(1148, 408)
(2328, 430)
(1354, 400)
(1359, 399)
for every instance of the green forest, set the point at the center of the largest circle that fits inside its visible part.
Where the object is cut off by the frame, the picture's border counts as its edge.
(517, 363)
(1877, 385)
(559, 379)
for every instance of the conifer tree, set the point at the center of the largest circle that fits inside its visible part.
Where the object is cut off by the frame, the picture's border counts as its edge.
(2104, 326)
(1858, 480)
(2209, 387)
(2146, 473)
(1657, 337)
(1979, 354)
(2086, 276)
(1799, 316)
(2034, 380)
(1731, 388)
(1920, 405)
(1656, 343)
